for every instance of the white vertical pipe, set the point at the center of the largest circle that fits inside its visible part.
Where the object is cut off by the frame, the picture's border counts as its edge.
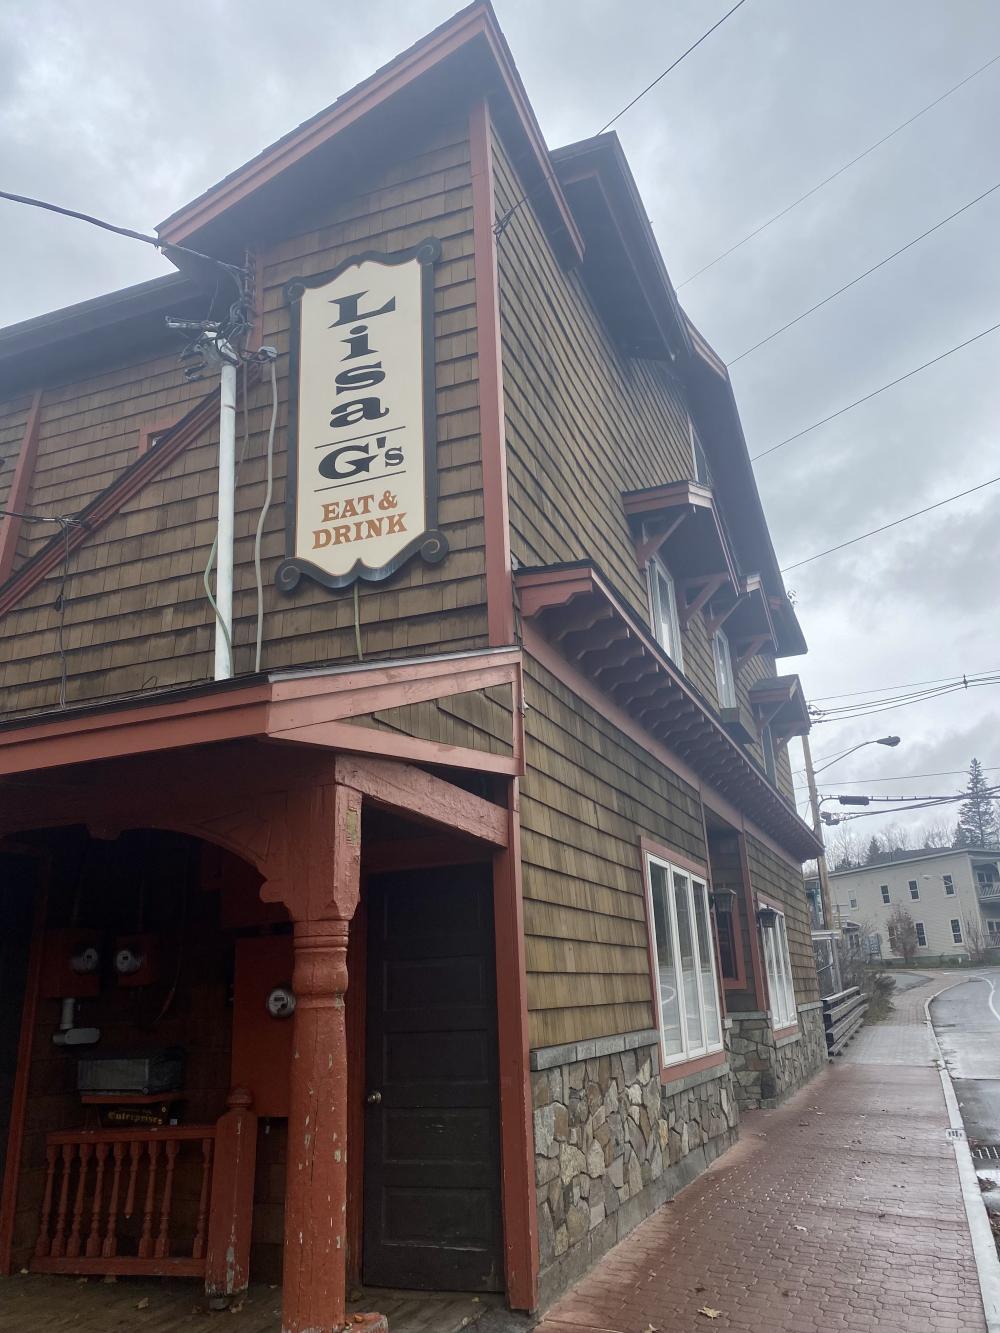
(227, 519)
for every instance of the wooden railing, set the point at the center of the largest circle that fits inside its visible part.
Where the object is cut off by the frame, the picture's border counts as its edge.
(176, 1200)
(843, 1015)
(109, 1199)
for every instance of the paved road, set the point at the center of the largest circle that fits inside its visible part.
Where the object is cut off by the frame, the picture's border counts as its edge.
(966, 1019)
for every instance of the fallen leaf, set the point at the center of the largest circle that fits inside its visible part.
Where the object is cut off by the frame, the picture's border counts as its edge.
(143, 1304)
(798, 1228)
(699, 1289)
(235, 1309)
(709, 1313)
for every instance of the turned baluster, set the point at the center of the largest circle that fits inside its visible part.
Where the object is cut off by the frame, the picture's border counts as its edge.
(59, 1239)
(110, 1246)
(73, 1248)
(146, 1239)
(163, 1239)
(198, 1248)
(42, 1244)
(134, 1149)
(94, 1239)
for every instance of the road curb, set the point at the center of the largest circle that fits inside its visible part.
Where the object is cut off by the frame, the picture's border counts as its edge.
(983, 1244)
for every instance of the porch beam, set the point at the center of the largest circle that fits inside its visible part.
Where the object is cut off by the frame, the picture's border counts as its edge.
(20, 489)
(419, 795)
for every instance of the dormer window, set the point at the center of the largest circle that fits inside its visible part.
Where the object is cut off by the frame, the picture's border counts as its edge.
(663, 610)
(724, 670)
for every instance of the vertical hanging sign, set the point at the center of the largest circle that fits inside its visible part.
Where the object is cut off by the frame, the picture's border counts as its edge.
(362, 453)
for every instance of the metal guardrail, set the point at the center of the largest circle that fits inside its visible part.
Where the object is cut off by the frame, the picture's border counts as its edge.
(843, 1015)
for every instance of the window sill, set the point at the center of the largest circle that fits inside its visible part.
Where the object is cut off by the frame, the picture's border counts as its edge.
(683, 1069)
(790, 1030)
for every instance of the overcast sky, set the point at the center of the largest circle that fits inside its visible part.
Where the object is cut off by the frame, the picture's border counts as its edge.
(128, 111)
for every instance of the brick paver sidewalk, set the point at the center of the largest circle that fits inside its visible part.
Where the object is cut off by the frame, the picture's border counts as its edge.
(841, 1210)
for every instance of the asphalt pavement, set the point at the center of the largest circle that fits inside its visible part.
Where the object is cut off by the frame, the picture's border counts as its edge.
(966, 1020)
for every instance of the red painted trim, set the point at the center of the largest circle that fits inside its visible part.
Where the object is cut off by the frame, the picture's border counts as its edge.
(654, 978)
(424, 797)
(357, 970)
(761, 999)
(666, 853)
(517, 1150)
(492, 433)
(418, 854)
(19, 1092)
(147, 434)
(788, 1031)
(477, 21)
(739, 982)
(574, 680)
(280, 710)
(671, 1073)
(20, 487)
(104, 506)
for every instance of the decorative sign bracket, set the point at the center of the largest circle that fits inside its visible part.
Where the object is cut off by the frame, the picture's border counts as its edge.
(362, 459)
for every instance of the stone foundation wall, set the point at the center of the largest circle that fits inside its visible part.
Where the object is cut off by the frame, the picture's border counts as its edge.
(612, 1144)
(766, 1070)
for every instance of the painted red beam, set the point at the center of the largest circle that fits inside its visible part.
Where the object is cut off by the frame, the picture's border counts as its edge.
(20, 489)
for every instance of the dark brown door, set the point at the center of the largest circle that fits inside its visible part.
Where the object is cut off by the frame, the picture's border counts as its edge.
(432, 1180)
(16, 912)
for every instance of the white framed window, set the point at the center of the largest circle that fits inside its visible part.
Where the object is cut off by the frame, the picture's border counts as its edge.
(663, 610)
(854, 902)
(949, 886)
(956, 930)
(767, 746)
(677, 907)
(778, 966)
(993, 927)
(921, 934)
(724, 670)
(884, 890)
(914, 890)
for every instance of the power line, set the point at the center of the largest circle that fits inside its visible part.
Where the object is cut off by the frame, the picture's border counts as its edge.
(902, 777)
(500, 226)
(874, 393)
(867, 273)
(878, 709)
(844, 711)
(839, 172)
(912, 685)
(895, 523)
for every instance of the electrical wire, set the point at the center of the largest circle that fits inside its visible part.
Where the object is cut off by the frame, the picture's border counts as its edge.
(233, 270)
(867, 273)
(849, 709)
(877, 689)
(902, 777)
(895, 523)
(874, 394)
(877, 711)
(268, 493)
(500, 226)
(839, 172)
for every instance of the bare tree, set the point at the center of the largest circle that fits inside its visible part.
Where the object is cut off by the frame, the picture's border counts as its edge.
(845, 848)
(902, 933)
(978, 941)
(936, 834)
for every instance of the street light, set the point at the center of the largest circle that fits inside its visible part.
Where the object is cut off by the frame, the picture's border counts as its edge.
(824, 882)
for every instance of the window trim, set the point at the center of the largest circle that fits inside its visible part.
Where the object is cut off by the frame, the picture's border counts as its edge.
(921, 929)
(886, 895)
(720, 640)
(709, 1053)
(956, 936)
(914, 888)
(655, 568)
(949, 885)
(781, 1022)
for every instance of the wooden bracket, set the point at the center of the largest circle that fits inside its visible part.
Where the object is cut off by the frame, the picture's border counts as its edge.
(647, 549)
(707, 588)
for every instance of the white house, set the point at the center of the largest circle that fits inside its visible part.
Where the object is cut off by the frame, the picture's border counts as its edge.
(952, 896)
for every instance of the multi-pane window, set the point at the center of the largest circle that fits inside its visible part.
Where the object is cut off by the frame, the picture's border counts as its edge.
(663, 610)
(993, 927)
(884, 890)
(921, 934)
(949, 886)
(724, 670)
(914, 891)
(690, 1018)
(767, 746)
(779, 971)
(854, 902)
(956, 930)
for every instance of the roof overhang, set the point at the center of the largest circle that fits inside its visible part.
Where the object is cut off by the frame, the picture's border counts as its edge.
(466, 57)
(622, 266)
(778, 702)
(577, 613)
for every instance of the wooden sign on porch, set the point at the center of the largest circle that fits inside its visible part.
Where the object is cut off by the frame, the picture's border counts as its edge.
(362, 460)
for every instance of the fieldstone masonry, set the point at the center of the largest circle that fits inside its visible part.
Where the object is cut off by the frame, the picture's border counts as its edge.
(765, 1070)
(611, 1144)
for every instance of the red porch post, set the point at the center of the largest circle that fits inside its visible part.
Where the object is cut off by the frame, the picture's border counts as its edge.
(321, 890)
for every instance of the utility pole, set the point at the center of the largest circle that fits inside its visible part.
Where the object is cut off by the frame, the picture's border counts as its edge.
(824, 879)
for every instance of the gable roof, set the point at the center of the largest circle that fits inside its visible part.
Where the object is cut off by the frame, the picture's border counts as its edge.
(467, 54)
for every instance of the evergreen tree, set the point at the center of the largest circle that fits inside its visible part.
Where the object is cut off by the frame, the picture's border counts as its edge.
(978, 818)
(874, 853)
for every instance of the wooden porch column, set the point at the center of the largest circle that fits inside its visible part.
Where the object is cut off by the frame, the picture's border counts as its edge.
(321, 890)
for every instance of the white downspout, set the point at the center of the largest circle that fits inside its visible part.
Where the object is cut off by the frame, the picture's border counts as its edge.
(227, 517)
